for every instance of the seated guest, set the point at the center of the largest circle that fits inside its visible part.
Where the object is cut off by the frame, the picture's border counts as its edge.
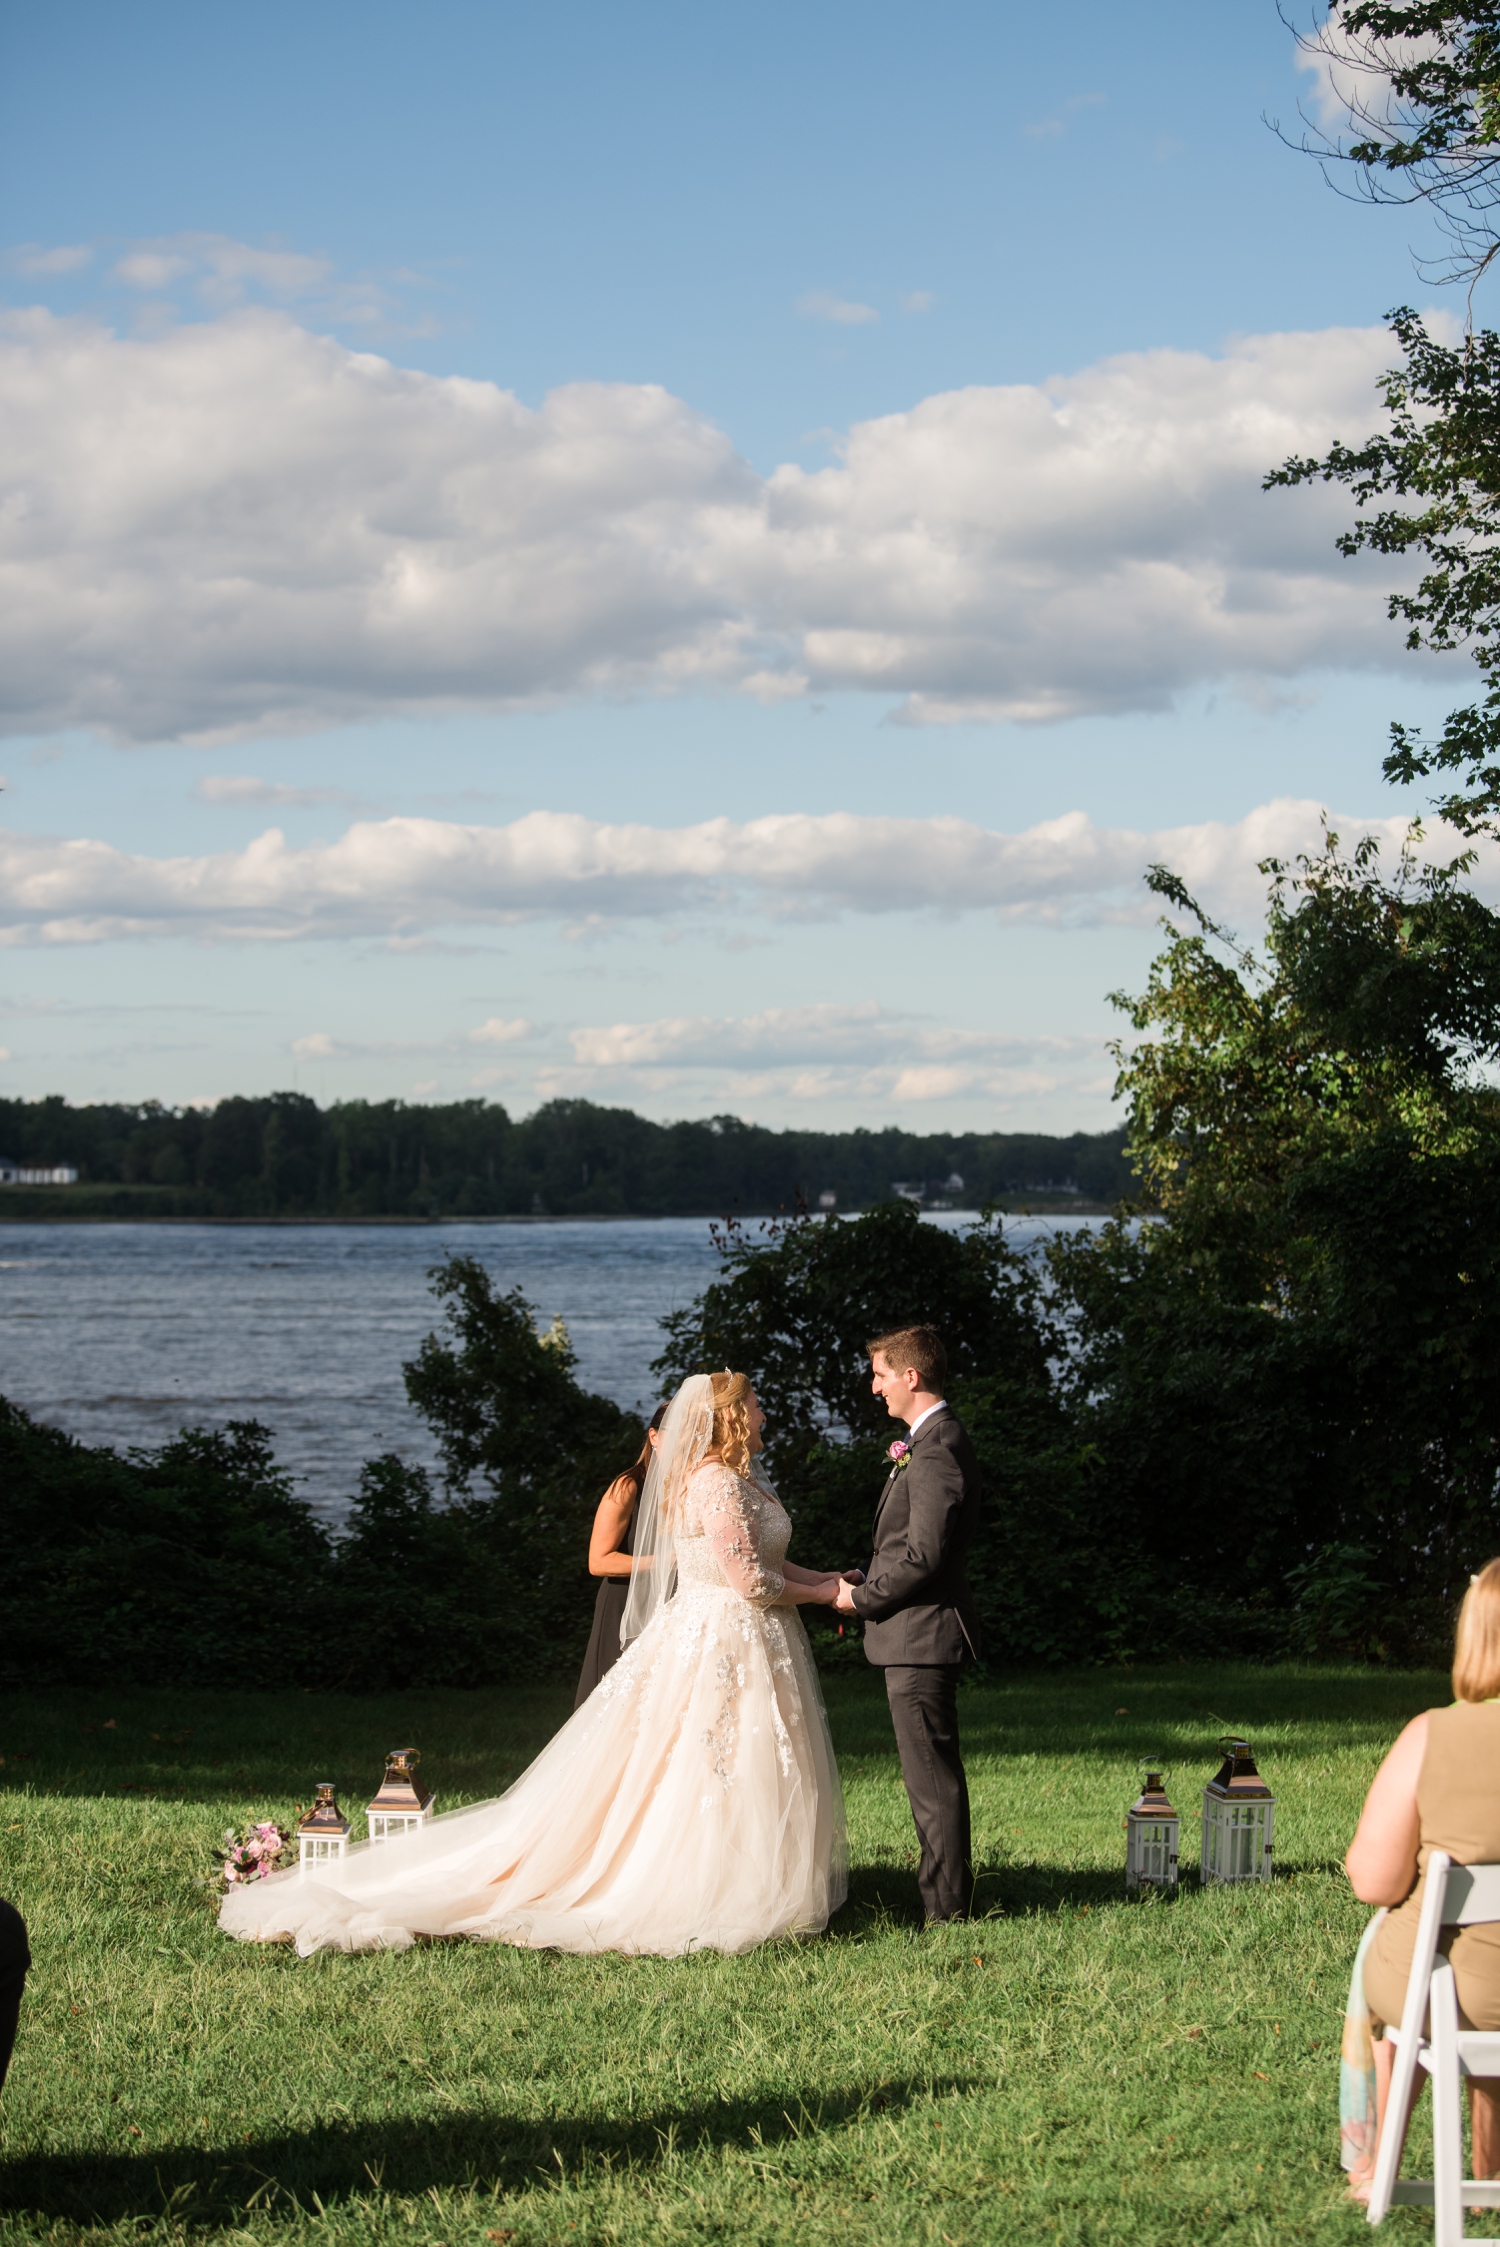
(15, 1958)
(1439, 1788)
(610, 1557)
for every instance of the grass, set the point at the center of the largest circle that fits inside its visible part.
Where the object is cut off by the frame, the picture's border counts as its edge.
(1074, 2067)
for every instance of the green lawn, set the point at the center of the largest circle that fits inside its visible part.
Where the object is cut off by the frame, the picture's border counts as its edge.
(1073, 2067)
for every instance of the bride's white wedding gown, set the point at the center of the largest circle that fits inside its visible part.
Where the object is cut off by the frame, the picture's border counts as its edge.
(692, 1803)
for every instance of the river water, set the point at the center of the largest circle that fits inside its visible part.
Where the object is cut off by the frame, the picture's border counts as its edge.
(121, 1334)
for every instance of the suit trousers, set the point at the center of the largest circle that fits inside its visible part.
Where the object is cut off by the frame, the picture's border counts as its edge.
(924, 1712)
(15, 1958)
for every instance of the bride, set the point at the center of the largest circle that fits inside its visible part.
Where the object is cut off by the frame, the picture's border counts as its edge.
(692, 1803)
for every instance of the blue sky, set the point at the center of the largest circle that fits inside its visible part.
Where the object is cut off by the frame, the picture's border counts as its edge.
(876, 494)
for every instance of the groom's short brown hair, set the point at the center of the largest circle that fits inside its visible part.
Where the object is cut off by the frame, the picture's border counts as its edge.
(918, 1347)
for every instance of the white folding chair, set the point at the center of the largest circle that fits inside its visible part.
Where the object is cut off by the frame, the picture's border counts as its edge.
(1430, 2037)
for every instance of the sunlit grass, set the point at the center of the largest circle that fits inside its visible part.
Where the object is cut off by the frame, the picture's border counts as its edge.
(1071, 2067)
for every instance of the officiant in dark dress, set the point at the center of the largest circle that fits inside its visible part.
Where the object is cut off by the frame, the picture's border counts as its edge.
(610, 1558)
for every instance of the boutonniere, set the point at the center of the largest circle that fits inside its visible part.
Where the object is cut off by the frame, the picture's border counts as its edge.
(899, 1455)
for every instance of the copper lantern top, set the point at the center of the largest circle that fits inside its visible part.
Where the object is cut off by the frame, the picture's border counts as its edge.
(399, 1790)
(1153, 1802)
(325, 1815)
(1237, 1779)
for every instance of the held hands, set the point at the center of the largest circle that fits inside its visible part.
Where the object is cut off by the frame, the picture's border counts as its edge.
(844, 1583)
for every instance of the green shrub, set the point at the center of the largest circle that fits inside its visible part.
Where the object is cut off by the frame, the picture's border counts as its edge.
(191, 1565)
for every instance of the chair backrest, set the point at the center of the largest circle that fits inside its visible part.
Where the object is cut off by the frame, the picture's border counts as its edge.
(1472, 1895)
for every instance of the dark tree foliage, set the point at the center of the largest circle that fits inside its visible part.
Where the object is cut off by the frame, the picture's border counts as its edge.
(194, 1565)
(492, 1584)
(283, 1156)
(1295, 1378)
(797, 1302)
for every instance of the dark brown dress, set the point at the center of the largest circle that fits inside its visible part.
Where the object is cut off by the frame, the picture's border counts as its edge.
(609, 1614)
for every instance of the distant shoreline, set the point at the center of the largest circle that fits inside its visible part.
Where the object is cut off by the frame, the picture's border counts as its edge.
(1041, 1207)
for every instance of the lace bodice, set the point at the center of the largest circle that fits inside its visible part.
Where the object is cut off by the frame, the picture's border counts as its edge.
(733, 1535)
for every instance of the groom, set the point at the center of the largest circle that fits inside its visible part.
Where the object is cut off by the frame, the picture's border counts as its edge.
(916, 1607)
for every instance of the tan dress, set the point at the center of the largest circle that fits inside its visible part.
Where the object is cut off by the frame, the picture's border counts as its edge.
(1458, 1803)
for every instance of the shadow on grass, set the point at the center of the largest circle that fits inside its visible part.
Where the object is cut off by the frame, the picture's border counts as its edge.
(1012, 1891)
(468, 2152)
(887, 1894)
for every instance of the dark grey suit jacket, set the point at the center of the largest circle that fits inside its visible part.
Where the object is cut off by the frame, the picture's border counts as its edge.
(915, 1602)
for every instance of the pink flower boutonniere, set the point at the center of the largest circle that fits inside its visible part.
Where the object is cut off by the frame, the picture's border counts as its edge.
(899, 1455)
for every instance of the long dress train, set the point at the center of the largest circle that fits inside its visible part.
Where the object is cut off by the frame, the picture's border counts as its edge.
(692, 1803)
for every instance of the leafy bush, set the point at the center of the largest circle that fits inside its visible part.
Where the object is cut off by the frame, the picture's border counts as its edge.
(194, 1565)
(492, 1584)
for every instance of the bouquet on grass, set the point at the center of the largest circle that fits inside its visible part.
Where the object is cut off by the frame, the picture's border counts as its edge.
(254, 1853)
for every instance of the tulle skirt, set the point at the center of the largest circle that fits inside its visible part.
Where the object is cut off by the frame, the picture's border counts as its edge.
(692, 1803)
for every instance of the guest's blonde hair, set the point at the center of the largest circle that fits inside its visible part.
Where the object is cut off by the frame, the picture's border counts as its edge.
(731, 1438)
(1476, 1643)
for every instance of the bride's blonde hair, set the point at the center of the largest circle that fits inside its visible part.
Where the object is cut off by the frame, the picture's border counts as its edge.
(731, 1436)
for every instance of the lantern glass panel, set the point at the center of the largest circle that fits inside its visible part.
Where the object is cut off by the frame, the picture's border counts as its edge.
(1153, 1851)
(385, 1823)
(321, 1848)
(1236, 1839)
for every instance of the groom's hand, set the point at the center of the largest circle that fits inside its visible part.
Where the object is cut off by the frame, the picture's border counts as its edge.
(851, 1575)
(843, 1598)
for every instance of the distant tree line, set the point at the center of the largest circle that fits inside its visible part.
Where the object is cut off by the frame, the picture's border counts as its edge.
(284, 1156)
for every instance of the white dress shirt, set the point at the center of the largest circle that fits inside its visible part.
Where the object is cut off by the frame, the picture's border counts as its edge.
(940, 1406)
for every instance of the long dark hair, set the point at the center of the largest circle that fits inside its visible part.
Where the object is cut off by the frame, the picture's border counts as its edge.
(637, 1473)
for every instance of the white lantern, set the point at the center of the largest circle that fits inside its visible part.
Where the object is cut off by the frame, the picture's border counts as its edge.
(1151, 1829)
(401, 1806)
(323, 1831)
(1238, 1809)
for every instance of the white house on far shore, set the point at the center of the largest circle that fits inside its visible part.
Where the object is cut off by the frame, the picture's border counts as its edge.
(36, 1174)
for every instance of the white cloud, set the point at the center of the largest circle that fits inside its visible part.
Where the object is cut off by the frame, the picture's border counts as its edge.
(863, 1054)
(150, 269)
(1352, 77)
(224, 270)
(497, 1032)
(244, 788)
(782, 1036)
(67, 257)
(401, 877)
(316, 1046)
(818, 304)
(1052, 128)
(237, 527)
(919, 300)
